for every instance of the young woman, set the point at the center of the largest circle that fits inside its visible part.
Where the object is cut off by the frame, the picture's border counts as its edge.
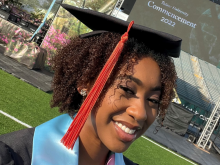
(119, 83)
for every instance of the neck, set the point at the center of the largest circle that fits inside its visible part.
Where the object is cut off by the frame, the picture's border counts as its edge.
(91, 150)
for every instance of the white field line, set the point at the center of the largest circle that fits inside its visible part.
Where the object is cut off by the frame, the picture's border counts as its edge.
(13, 118)
(169, 150)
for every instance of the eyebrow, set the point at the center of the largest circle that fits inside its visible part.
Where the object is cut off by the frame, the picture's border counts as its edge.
(139, 82)
(136, 80)
(158, 88)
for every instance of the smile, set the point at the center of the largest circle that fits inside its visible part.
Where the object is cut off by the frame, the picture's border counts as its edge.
(125, 129)
(124, 133)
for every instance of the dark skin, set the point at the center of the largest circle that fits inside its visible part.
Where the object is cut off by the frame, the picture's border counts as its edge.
(134, 104)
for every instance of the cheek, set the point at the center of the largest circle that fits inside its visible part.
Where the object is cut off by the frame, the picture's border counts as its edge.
(103, 115)
(152, 116)
(150, 119)
(106, 133)
(112, 105)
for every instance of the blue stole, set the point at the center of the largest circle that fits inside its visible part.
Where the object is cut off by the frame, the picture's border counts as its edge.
(48, 150)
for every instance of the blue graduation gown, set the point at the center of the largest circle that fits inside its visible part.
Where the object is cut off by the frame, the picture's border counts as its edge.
(42, 146)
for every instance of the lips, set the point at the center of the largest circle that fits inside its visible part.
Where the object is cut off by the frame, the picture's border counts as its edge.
(125, 133)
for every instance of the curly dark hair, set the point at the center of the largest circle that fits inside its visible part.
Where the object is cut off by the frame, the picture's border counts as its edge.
(80, 62)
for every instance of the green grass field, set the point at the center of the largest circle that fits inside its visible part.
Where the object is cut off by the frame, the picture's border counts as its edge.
(24, 102)
(31, 106)
(144, 152)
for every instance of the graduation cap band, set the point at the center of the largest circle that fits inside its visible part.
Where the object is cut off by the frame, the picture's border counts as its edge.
(77, 124)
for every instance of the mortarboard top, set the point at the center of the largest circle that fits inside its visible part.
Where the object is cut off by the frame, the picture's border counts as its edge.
(156, 40)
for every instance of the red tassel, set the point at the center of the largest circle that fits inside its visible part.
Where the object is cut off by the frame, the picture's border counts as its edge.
(74, 130)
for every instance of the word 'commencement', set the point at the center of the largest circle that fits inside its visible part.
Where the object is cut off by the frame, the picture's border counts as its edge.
(151, 4)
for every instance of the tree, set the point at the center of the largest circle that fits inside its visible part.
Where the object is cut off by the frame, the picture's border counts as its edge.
(37, 14)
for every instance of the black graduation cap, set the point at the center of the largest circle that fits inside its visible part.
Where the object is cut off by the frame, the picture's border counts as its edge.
(156, 40)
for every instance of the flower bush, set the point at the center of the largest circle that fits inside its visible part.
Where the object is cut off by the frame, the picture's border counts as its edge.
(4, 39)
(54, 40)
(23, 51)
(15, 42)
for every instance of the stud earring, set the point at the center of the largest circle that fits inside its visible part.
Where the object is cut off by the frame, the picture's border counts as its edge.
(83, 93)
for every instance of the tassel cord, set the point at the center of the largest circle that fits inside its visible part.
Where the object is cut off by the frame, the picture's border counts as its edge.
(92, 95)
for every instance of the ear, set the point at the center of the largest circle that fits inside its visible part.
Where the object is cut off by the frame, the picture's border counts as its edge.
(84, 87)
(82, 91)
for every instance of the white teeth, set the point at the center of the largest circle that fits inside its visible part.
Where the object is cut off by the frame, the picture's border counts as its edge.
(125, 129)
(131, 131)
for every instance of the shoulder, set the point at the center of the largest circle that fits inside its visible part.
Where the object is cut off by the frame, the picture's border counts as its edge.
(128, 162)
(6, 156)
(17, 146)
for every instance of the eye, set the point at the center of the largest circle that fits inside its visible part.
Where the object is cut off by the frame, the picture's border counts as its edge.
(154, 101)
(127, 90)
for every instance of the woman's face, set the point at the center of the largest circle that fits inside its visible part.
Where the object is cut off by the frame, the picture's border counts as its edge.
(126, 112)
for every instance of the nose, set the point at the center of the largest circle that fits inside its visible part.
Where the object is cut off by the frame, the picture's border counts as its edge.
(137, 110)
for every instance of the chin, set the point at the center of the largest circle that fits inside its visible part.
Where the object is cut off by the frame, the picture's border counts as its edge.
(119, 148)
